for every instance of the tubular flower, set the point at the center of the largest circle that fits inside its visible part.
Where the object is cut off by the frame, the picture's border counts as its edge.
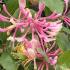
(52, 59)
(44, 29)
(41, 30)
(63, 16)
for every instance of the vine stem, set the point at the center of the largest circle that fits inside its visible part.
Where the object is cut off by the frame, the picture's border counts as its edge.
(35, 65)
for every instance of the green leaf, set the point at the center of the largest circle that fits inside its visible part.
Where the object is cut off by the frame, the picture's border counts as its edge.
(30, 66)
(61, 67)
(28, 4)
(16, 13)
(57, 67)
(5, 1)
(62, 41)
(65, 29)
(47, 11)
(7, 62)
(64, 59)
(12, 5)
(54, 5)
(3, 36)
(19, 56)
(20, 67)
(32, 12)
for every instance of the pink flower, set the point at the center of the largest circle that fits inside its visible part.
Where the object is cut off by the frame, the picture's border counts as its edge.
(48, 30)
(51, 58)
(63, 16)
(42, 31)
(45, 30)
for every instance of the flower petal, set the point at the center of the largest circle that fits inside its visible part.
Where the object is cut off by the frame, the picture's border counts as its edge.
(66, 2)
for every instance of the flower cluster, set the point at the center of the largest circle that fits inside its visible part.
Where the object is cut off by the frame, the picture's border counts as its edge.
(41, 29)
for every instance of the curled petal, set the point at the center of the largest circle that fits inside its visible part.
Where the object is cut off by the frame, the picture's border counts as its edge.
(67, 20)
(52, 60)
(66, 2)
(41, 8)
(5, 9)
(47, 66)
(55, 26)
(53, 16)
(22, 4)
(3, 18)
(48, 30)
(3, 30)
(39, 68)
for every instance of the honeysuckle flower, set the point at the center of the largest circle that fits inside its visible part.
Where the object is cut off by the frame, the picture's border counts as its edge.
(45, 30)
(52, 59)
(63, 16)
(41, 26)
(51, 28)
(5, 10)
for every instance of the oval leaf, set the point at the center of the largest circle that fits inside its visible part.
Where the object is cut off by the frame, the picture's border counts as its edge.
(54, 5)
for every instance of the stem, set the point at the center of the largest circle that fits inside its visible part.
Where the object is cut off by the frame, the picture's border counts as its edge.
(27, 62)
(39, 67)
(35, 65)
(47, 67)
